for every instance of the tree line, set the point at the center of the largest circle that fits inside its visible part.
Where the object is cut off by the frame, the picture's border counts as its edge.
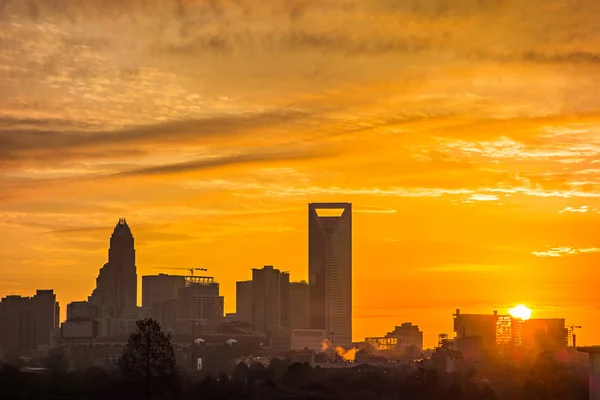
(147, 370)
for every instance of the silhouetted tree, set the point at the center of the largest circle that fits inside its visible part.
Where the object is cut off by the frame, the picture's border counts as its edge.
(546, 380)
(455, 392)
(56, 361)
(488, 394)
(240, 372)
(148, 356)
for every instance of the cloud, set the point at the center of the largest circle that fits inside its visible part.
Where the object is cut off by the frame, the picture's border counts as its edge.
(16, 142)
(217, 162)
(374, 210)
(582, 209)
(483, 197)
(470, 268)
(565, 251)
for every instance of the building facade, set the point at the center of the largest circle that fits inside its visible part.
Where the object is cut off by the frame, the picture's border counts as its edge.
(161, 287)
(116, 285)
(243, 302)
(330, 269)
(199, 304)
(82, 309)
(270, 299)
(26, 323)
(299, 305)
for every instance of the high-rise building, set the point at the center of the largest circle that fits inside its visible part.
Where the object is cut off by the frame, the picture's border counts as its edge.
(199, 303)
(330, 269)
(159, 288)
(299, 305)
(243, 302)
(26, 322)
(116, 285)
(270, 299)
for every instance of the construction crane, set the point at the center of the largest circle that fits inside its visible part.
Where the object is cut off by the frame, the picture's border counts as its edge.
(186, 269)
(573, 336)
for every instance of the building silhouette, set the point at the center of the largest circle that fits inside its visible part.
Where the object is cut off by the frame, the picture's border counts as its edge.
(116, 285)
(26, 323)
(403, 338)
(243, 302)
(81, 309)
(159, 288)
(299, 305)
(199, 303)
(330, 269)
(478, 333)
(270, 299)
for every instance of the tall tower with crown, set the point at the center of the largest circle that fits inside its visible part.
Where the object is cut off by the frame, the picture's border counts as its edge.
(116, 285)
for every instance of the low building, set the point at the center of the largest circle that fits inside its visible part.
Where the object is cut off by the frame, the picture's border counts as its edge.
(285, 340)
(406, 337)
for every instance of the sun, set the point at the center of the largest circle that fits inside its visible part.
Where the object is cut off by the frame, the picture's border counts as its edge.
(520, 312)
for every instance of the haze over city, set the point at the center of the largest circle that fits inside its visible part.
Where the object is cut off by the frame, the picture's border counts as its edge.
(465, 135)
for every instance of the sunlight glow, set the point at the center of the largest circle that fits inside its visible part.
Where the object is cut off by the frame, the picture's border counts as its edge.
(520, 312)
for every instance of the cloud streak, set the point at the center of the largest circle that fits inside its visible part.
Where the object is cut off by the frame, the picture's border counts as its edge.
(565, 251)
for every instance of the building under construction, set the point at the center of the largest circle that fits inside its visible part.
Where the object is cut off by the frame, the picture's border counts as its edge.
(493, 331)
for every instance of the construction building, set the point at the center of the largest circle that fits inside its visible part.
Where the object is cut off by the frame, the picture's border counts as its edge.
(490, 331)
(199, 303)
(544, 334)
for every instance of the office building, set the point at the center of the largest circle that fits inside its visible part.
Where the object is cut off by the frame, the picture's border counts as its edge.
(477, 325)
(270, 299)
(299, 305)
(404, 337)
(159, 288)
(199, 303)
(549, 334)
(330, 269)
(116, 285)
(26, 323)
(243, 302)
(408, 335)
(82, 309)
(165, 313)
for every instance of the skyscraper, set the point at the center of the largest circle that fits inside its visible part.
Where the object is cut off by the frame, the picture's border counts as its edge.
(330, 269)
(199, 303)
(159, 288)
(243, 301)
(270, 299)
(299, 305)
(26, 322)
(116, 285)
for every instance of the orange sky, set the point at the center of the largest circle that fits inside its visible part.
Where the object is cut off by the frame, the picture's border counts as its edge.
(465, 133)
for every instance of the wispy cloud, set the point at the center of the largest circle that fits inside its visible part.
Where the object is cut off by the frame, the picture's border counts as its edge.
(565, 251)
(483, 197)
(582, 209)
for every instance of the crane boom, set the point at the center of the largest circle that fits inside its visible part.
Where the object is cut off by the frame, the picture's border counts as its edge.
(185, 269)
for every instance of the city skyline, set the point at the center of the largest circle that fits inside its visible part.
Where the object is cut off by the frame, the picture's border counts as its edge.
(122, 253)
(465, 133)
